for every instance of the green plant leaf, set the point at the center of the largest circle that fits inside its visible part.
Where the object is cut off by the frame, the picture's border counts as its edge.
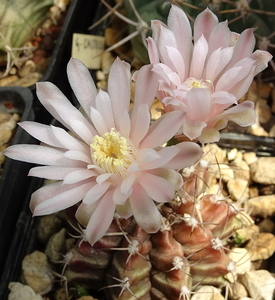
(20, 19)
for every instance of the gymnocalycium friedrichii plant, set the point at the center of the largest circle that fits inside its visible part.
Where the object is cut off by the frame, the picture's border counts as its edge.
(113, 165)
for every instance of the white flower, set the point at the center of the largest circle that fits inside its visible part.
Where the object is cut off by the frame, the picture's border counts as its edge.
(112, 160)
(205, 79)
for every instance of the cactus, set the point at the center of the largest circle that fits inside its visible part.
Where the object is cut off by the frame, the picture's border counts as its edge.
(190, 249)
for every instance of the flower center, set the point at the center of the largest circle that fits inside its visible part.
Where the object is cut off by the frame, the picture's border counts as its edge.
(113, 152)
(192, 83)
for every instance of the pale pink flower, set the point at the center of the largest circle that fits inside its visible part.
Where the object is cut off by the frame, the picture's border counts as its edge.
(205, 79)
(112, 161)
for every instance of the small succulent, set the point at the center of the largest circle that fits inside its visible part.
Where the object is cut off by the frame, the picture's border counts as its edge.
(20, 20)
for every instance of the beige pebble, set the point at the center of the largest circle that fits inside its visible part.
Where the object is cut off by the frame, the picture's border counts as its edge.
(257, 130)
(272, 131)
(19, 291)
(28, 80)
(7, 81)
(261, 206)
(265, 89)
(47, 226)
(231, 155)
(266, 225)
(244, 234)
(60, 294)
(241, 263)
(238, 189)
(273, 100)
(86, 298)
(263, 111)
(107, 60)
(207, 292)
(7, 122)
(5, 136)
(56, 246)
(213, 153)
(37, 272)
(100, 75)
(260, 284)
(263, 170)
(27, 68)
(261, 246)
(241, 170)
(253, 192)
(226, 172)
(250, 157)
(102, 84)
(2, 156)
(237, 291)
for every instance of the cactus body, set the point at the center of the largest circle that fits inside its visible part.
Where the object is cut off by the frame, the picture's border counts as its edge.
(188, 250)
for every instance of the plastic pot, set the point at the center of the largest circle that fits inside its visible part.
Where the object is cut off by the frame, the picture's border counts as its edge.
(14, 180)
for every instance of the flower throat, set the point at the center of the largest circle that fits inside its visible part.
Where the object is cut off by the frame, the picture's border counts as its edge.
(113, 152)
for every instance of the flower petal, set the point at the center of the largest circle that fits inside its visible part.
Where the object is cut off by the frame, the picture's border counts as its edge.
(144, 210)
(146, 86)
(242, 114)
(199, 57)
(78, 175)
(40, 155)
(97, 191)
(57, 198)
(158, 134)
(103, 177)
(104, 107)
(83, 131)
(123, 191)
(164, 156)
(77, 75)
(125, 124)
(234, 75)
(244, 47)
(152, 51)
(101, 218)
(60, 107)
(98, 121)
(51, 172)
(41, 132)
(193, 128)
(189, 153)
(157, 188)
(262, 58)
(219, 37)
(199, 103)
(179, 24)
(140, 122)
(204, 23)
(209, 135)
(125, 210)
(217, 62)
(78, 156)
(177, 62)
(119, 76)
(68, 141)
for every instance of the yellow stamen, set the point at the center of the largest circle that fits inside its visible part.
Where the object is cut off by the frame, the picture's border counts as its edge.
(192, 83)
(113, 152)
